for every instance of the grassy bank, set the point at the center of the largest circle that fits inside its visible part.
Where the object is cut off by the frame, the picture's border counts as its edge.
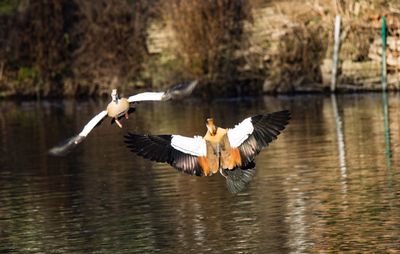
(80, 48)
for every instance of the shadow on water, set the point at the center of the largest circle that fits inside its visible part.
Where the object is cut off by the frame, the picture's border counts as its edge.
(325, 185)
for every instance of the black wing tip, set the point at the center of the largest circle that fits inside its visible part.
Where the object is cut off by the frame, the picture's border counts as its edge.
(281, 117)
(54, 152)
(180, 91)
(286, 114)
(66, 146)
(280, 114)
(131, 135)
(128, 137)
(283, 113)
(184, 86)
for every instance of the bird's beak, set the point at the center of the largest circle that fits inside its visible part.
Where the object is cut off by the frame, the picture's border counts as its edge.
(211, 126)
(114, 95)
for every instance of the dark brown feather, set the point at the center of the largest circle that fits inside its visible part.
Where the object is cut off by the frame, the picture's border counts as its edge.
(239, 178)
(266, 129)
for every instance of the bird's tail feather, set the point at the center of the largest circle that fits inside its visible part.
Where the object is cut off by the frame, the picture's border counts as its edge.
(238, 179)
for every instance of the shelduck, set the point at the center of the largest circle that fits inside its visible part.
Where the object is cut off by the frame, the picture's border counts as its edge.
(230, 151)
(122, 107)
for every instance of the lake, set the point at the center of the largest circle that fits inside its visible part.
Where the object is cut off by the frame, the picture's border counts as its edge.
(330, 182)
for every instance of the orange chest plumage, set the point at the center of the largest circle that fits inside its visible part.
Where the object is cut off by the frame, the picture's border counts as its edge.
(219, 154)
(230, 151)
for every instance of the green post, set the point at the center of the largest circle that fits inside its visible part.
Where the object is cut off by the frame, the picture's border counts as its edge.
(384, 95)
(384, 71)
(386, 125)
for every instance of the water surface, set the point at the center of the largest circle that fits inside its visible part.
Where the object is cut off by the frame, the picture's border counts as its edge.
(330, 183)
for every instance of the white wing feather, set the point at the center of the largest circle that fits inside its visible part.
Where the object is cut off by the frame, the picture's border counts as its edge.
(92, 123)
(195, 146)
(147, 96)
(67, 146)
(240, 132)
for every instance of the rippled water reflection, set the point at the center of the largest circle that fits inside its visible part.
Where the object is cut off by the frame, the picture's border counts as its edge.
(327, 185)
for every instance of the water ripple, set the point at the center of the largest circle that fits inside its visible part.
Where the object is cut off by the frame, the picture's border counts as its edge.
(314, 191)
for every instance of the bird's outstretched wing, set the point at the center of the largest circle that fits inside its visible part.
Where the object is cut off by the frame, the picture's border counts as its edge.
(255, 133)
(182, 153)
(175, 92)
(146, 96)
(66, 146)
(180, 91)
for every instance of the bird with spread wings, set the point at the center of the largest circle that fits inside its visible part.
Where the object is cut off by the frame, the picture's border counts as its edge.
(230, 151)
(122, 107)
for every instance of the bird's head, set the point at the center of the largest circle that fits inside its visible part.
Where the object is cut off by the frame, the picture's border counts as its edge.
(114, 95)
(212, 129)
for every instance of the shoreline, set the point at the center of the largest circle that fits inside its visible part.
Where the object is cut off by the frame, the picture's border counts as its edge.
(197, 95)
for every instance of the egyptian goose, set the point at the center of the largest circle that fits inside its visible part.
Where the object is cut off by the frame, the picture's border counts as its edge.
(229, 151)
(120, 107)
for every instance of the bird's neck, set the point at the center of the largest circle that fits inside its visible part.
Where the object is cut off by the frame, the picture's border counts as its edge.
(216, 136)
(213, 131)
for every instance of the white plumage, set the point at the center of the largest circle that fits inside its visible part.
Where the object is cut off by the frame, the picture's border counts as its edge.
(195, 146)
(92, 123)
(116, 109)
(240, 132)
(147, 96)
(232, 151)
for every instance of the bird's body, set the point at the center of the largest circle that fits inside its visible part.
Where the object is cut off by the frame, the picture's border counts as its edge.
(230, 151)
(120, 107)
(220, 154)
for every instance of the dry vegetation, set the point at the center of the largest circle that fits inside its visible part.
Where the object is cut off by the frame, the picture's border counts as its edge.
(302, 44)
(70, 48)
(109, 45)
(34, 59)
(73, 48)
(207, 35)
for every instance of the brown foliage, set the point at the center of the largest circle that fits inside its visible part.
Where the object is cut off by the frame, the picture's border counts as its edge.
(109, 44)
(80, 47)
(300, 46)
(74, 47)
(37, 42)
(298, 60)
(207, 34)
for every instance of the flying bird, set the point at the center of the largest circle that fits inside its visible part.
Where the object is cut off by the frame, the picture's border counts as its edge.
(230, 151)
(122, 107)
